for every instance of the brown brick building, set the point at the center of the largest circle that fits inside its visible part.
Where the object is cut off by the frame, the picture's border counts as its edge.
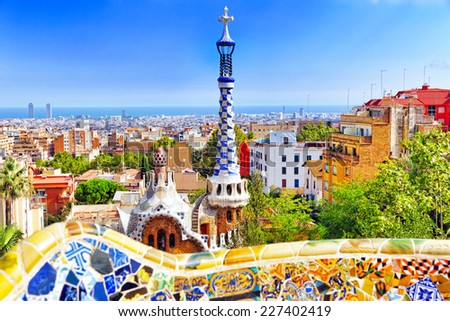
(368, 137)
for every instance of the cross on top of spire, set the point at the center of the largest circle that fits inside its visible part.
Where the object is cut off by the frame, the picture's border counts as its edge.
(225, 18)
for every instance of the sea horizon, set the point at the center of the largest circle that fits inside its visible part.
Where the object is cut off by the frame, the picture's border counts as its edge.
(139, 111)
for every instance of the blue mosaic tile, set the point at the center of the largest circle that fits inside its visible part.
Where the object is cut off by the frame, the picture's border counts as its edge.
(72, 279)
(118, 257)
(424, 290)
(135, 265)
(110, 284)
(99, 293)
(79, 255)
(159, 296)
(121, 275)
(82, 294)
(24, 297)
(92, 241)
(69, 293)
(43, 282)
(104, 247)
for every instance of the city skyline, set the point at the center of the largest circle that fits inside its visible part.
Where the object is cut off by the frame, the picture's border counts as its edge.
(158, 53)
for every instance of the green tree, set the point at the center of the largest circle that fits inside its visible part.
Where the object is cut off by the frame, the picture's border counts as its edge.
(352, 215)
(316, 132)
(429, 168)
(97, 191)
(164, 142)
(14, 183)
(10, 235)
(290, 219)
(194, 195)
(250, 228)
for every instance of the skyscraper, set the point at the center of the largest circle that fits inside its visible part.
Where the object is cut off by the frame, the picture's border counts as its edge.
(48, 108)
(30, 110)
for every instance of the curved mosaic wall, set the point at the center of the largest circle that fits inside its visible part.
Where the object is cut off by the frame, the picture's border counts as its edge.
(80, 261)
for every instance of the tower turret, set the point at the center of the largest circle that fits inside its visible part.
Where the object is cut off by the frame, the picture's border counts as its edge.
(227, 189)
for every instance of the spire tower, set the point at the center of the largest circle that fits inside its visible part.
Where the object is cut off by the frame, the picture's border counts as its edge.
(226, 187)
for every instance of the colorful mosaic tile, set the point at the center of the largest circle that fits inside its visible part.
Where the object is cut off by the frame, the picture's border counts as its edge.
(84, 265)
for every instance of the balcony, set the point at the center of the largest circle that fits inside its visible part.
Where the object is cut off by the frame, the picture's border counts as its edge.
(343, 138)
(338, 155)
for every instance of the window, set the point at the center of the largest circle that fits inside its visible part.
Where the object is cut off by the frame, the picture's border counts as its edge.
(229, 217)
(41, 193)
(296, 182)
(334, 170)
(325, 184)
(285, 140)
(172, 240)
(314, 184)
(151, 240)
(296, 170)
(441, 110)
(283, 158)
(265, 157)
(283, 170)
(265, 168)
(283, 183)
(308, 157)
(326, 168)
(347, 171)
(296, 158)
(162, 240)
(354, 151)
(432, 111)
(307, 183)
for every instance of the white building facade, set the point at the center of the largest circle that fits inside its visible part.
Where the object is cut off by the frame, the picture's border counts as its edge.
(280, 158)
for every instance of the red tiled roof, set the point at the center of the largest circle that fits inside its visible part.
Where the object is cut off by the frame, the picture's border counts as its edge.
(429, 96)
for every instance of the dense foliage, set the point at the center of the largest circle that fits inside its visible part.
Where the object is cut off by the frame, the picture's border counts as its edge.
(409, 198)
(275, 217)
(97, 191)
(10, 235)
(79, 165)
(14, 184)
(316, 132)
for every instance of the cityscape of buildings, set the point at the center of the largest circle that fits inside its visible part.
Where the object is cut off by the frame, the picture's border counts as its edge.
(154, 208)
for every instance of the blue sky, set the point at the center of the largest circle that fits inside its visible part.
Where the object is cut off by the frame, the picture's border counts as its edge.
(162, 52)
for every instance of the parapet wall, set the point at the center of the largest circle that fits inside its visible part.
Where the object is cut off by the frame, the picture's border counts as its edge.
(80, 261)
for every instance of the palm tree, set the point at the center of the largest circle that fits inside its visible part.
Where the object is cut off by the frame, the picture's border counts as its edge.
(9, 236)
(14, 183)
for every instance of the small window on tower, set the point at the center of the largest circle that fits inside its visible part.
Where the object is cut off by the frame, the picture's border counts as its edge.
(229, 216)
(172, 240)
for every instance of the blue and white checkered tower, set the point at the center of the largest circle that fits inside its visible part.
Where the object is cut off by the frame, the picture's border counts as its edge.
(226, 187)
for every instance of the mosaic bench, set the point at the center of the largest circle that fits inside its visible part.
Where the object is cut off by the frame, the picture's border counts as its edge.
(80, 261)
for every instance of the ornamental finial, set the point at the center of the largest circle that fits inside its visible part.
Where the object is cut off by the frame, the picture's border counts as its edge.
(225, 18)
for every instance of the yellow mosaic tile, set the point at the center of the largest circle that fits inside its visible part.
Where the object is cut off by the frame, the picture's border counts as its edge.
(10, 264)
(238, 256)
(115, 237)
(277, 251)
(5, 287)
(44, 240)
(57, 230)
(317, 248)
(153, 255)
(169, 260)
(73, 228)
(30, 256)
(258, 249)
(132, 245)
(398, 247)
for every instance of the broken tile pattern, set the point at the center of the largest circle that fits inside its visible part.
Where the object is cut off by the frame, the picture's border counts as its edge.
(84, 265)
